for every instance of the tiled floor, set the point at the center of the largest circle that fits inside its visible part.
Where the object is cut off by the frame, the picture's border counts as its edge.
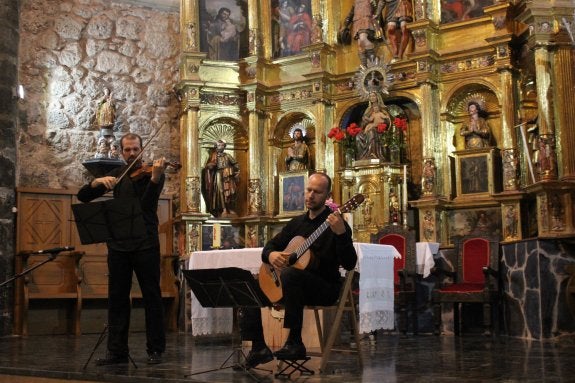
(393, 358)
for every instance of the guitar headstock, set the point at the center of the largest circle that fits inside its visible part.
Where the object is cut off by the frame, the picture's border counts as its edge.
(352, 204)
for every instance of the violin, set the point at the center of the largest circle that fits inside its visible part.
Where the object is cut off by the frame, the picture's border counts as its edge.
(145, 170)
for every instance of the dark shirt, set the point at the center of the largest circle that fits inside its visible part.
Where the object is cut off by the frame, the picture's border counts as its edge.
(329, 249)
(146, 192)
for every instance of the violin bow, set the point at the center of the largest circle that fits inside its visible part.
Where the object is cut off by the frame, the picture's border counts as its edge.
(139, 156)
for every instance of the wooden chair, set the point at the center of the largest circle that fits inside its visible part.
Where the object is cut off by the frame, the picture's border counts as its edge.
(475, 281)
(345, 303)
(405, 274)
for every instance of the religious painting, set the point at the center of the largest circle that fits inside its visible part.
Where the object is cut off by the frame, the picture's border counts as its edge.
(224, 29)
(480, 222)
(460, 10)
(291, 26)
(292, 192)
(218, 236)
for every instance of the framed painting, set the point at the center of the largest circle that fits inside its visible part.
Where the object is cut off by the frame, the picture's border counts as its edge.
(474, 173)
(291, 26)
(224, 29)
(292, 192)
(460, 10)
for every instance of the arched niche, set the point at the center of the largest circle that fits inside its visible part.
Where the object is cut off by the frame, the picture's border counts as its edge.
(281, 138)
(233, 133)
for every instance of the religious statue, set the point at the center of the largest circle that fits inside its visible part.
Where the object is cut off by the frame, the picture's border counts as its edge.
(364, 18)
(476, 132)
(394, 208)
(428, 226)
(368, 141)
(115, 152)
(103, 148)
(220, 178)
(298, 153)
(399, 13)
(511, 221)
(106, 114)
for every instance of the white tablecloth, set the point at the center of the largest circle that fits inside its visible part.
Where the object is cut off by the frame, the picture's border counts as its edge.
(425, 261)
(375, 263)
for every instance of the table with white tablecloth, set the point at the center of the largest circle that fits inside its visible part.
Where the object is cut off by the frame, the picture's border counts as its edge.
(375, 264)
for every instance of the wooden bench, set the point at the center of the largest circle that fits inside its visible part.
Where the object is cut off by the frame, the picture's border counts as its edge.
(45, 221)
(58, 278)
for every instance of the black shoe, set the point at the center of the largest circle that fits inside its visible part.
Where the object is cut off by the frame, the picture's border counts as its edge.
(291, 351)
(154, 357)
(258, 357)
(112, 359)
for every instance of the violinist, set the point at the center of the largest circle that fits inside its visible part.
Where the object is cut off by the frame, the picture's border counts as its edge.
(139, 255)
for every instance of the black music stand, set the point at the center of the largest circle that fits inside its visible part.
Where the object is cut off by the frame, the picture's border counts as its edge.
(226, 287)
(109, 220)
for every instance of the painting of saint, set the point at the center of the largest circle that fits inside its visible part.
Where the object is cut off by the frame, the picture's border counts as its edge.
(224, 29)
(460, 10)
(291, 26)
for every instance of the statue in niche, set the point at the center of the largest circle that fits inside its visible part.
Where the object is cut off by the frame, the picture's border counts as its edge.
(428, 225)
(220, 179)
(103, 148)
(298, 153)
(368, 141)
(511, 221)
(476, 132)
(557, 211)
(367, 211)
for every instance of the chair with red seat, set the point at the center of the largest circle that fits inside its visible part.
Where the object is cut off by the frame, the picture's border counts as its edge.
(404, 271)
(475, 281)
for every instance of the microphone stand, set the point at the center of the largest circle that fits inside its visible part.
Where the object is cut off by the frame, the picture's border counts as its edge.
(51, 257)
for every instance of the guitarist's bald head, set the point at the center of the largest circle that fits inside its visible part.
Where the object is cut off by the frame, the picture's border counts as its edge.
(326, 177)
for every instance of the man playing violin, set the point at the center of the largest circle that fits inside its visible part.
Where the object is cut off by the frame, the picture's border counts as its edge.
(140, 255)
(318, 285)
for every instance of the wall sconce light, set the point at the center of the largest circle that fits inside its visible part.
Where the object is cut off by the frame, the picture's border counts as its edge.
(18, 92)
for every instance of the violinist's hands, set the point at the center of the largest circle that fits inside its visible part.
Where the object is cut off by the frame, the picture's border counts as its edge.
(336, 223)
(108, 181)
(278, 259)
(158, 168)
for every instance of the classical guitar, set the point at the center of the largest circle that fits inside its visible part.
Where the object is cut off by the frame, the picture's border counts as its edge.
(300, 256)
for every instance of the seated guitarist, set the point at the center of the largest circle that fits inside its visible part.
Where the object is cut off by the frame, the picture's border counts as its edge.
(319, 285)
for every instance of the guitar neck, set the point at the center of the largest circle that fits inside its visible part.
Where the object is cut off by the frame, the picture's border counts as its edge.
(311, 239)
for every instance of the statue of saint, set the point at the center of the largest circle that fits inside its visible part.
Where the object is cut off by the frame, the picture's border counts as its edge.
(368, 141)
(298, 154)
(366, 29)
(476, 132)
(220, 179)
(106, 113)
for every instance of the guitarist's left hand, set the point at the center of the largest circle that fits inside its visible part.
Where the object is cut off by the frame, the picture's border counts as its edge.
(336, 223)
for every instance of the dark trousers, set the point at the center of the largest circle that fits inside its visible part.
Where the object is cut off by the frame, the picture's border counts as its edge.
(300, 288)
(146, 265)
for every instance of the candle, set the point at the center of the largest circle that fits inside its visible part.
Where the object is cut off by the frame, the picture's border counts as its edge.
(217, 236)
(404, 192)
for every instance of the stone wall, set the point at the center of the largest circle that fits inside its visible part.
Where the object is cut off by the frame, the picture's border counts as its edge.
(534, 280)
(70, 51)
(8, 126)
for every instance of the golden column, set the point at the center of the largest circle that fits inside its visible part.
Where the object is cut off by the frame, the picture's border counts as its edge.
(565, 113)
(543, 70)
(509, 149)
(256, 153)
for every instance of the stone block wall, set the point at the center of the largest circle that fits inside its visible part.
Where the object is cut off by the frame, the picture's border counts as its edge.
(70, 50)
(534, 281)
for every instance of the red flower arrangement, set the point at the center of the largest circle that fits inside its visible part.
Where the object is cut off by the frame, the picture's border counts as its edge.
(345, 137)
(393, 136)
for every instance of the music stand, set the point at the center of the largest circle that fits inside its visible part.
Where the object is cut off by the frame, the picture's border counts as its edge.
(228, 287)
(109, 220)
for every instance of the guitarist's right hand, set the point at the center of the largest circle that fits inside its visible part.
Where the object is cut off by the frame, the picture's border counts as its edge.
(278, 259)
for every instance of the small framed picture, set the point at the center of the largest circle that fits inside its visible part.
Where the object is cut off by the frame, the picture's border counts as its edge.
(475, 172)
(292, 192)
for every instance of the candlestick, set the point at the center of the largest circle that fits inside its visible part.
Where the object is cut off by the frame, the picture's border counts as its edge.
(404, 195)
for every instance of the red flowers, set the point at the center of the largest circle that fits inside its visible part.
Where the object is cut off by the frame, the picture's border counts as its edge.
(381, 128)
(346, 137)
(400, 123)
